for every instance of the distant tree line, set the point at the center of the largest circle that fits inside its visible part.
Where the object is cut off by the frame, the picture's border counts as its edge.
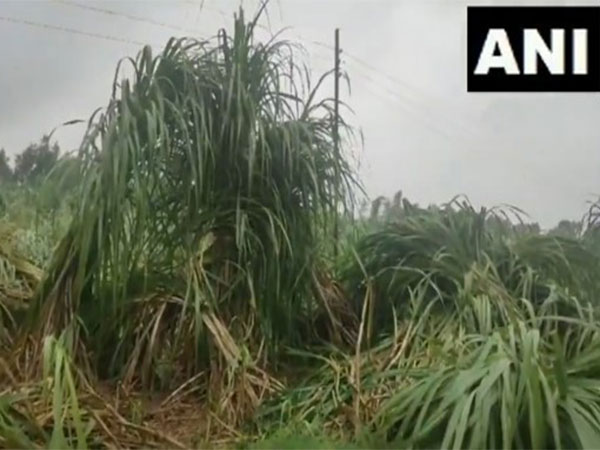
(39, 179)
(32, 164)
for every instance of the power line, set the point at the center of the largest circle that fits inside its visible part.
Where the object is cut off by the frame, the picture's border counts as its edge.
(412, 97)
(365, 64)
(201, 4)
(412, 113)
(412, 108)
(71, 30)
(414, 94)
(111, 38)
(111, 12)
(396, 99)
(382, 73)
(133, 42)
(378, 71)
(415, 101)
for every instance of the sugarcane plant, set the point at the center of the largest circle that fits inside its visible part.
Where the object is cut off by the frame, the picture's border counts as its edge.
(208, 181)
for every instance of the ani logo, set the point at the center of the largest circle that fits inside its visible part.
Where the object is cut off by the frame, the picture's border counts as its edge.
(533, 49)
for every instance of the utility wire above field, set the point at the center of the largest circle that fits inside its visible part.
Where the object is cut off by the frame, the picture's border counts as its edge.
(360, 67)
(377, 72)
(403, 103)
(70, 30)
(410, 95)
(402, 96)
(111, 12)
(411, 105)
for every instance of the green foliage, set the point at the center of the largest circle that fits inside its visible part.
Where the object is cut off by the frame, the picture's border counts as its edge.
(567, 228)
(449, 246)
(6, 173)
(19, 277)
(187, 245)
(20, 429)
(517, 388)
(207, 179)
(474, 333)
(36, 161)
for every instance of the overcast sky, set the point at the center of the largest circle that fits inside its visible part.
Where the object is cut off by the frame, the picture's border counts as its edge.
(424, 134)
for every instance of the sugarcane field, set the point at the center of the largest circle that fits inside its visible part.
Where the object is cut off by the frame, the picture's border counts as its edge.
(295, 224)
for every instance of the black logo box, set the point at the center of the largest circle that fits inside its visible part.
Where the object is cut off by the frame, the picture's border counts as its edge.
(480, 19)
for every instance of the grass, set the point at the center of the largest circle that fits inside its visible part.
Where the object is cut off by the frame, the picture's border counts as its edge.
(159, 233)
(173, 285)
